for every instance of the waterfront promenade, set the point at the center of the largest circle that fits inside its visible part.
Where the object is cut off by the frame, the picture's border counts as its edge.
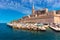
(35, 27)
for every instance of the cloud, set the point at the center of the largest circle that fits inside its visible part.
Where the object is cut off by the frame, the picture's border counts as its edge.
(25, 6)
(15, 6)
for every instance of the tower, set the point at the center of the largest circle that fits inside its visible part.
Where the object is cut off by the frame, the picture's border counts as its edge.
(46, 10)
(33, 9)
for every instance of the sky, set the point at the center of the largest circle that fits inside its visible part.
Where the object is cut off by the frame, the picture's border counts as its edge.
(16, 9)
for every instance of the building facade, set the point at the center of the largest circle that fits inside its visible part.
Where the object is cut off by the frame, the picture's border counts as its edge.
(42, 16)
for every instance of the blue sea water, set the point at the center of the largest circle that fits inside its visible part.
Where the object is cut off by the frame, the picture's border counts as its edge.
(7, 33)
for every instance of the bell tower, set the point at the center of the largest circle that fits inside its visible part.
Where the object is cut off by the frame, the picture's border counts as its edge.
(33, 9)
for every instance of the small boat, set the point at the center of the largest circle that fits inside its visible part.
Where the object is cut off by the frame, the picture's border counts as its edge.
(35, 28)
(9, 24)
(55, 28)
(28, 27)
(43, 29)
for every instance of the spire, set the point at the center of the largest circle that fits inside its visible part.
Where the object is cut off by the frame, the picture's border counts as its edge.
(33, 9)
(33, 6)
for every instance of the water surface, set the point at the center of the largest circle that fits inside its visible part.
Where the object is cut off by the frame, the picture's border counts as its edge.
(7, 33)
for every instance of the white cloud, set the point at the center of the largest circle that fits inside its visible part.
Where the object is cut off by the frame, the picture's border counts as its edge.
(24, 7)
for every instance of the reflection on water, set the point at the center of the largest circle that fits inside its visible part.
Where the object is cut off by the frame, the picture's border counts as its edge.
(7, 33)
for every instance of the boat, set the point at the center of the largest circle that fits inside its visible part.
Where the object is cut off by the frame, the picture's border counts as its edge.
(9, 24)
(43, 29)
(57, 29)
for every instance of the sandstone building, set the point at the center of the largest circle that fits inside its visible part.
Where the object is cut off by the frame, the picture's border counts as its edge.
(42, 16)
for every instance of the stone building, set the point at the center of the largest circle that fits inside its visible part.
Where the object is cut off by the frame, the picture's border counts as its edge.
(42, 16)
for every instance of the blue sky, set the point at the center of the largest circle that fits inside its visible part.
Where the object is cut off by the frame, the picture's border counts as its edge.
(15, 9)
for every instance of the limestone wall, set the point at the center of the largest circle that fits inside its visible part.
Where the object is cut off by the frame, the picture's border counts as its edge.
(56, 19)
(46, 20)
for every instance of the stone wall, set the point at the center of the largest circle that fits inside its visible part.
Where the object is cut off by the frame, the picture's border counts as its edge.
(57, 19)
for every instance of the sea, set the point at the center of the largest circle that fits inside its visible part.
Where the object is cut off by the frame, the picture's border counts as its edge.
(8, 33)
